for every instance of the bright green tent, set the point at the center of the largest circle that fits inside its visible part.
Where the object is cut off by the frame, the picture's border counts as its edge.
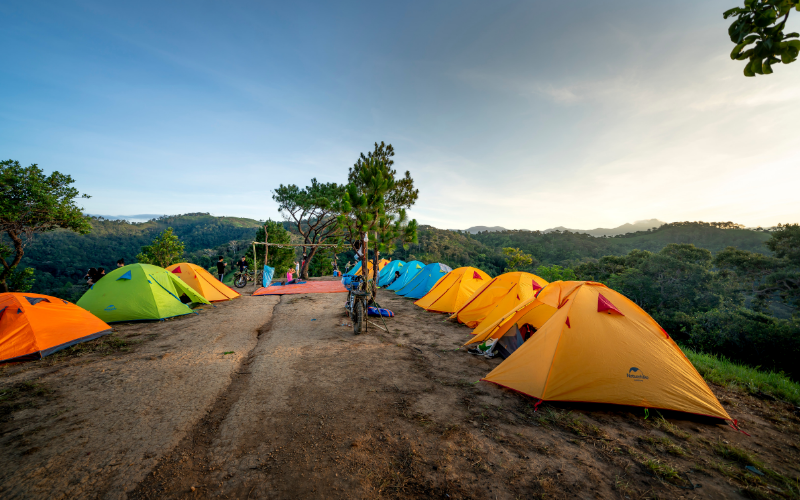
(138, 291)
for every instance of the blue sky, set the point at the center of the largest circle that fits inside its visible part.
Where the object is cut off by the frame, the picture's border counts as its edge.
(519, 114)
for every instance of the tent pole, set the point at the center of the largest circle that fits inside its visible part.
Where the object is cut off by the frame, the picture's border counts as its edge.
(255, 273)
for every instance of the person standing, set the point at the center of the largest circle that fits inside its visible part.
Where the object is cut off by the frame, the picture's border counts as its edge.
(221, 268)
(242, 265)
(296, 267)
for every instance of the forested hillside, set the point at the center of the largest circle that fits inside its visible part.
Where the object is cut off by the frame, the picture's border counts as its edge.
(61, 258)
(484, 249)
(565, 248)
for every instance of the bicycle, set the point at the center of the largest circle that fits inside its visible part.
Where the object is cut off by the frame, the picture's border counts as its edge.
(356, 305)
(241, 278)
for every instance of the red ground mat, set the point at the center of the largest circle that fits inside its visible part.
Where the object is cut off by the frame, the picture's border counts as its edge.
(309, 287)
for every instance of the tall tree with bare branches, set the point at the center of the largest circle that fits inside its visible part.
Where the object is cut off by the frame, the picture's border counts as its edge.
(313, 211)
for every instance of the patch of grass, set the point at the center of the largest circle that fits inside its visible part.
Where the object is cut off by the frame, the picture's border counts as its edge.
(228, 352)
(661, 424)
(721, 371)
(744, 458)
(660, 469)
(736, 454)
(548, 417)
(665, 444)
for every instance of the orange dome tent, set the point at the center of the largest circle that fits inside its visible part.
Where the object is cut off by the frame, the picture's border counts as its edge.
(453, 290)
(534, 311)
(600, 347)
(33, 326)
(202, 282)
(506, 290)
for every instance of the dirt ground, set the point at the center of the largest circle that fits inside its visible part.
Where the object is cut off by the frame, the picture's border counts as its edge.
(274, 397)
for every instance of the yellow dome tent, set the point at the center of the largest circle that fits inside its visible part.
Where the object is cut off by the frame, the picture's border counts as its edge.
(453, 290)
(534, 311)
(202, 282)
(600, 347)
(381, 264)
(519, 286)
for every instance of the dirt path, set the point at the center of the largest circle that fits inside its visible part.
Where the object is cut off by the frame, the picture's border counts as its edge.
(308, 410)
(108, 419)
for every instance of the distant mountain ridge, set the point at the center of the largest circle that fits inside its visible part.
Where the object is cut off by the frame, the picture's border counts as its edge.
(491, 229)
(129, 218)
(639, 225)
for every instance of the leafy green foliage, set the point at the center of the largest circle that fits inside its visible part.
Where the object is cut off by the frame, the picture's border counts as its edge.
(281, 258)
(785, 242)
(321, 265)
(31, 203)
(165, 250)
(374, 204)
(456, 249)
(676, 279)
(313, 211)
(762, 277)
(402, 193)
(516, 260)
(556, 273)
(761, 23)
(743, 335)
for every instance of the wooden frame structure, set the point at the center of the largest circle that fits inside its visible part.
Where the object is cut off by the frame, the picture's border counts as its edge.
(267, 244)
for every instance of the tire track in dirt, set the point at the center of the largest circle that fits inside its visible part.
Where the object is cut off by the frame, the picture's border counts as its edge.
(185, 469)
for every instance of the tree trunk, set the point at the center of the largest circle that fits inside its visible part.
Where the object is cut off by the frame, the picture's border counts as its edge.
(375, 256)
(9, 269)
(365, 261)
(304, 268)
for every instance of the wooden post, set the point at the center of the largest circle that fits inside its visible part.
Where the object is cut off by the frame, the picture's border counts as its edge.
(266, 245)
(255, 271)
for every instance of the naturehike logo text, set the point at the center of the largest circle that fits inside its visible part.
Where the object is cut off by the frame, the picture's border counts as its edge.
(111, 308)
(635, 374)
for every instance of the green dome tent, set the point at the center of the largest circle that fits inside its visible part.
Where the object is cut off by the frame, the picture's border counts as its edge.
(136, 292)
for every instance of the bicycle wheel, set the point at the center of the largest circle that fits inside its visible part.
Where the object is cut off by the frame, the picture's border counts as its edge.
(348, 305)
(240, 280)
(358, 316)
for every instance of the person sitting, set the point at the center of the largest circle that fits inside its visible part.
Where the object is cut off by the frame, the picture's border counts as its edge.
(289, 275)
(90, 276)
(396, 275)
(101, 271)
(121, 263)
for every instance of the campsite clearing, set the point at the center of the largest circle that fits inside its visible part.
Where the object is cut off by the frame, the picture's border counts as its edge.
(303, 408)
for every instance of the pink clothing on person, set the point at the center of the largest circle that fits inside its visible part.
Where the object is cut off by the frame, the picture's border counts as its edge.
(289, 275)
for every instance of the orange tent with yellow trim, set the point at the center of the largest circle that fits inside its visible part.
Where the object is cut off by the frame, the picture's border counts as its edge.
(506, 290)
(453, 290)
(202, 282)
(600, 347)
(33, 326)
(534, 311)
